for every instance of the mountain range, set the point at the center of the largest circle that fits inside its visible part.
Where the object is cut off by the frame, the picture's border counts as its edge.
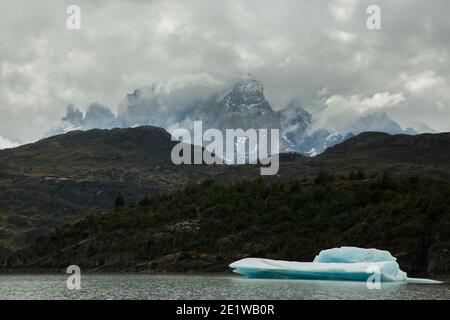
(244, 106)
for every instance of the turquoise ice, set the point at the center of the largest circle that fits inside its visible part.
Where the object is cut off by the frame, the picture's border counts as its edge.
(353, 255)
(340, 264)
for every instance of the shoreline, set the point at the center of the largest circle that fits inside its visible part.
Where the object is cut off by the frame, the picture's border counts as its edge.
(100, 272)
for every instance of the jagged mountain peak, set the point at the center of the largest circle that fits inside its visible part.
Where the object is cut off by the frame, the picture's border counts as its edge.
(294, 113)
(250, 88)
(245, 96)
(172, 104)
(73, 115)
(376, 121)
(99, 116)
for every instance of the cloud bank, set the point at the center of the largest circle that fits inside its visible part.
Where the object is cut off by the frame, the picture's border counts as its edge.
(6, 144)
(296, 49)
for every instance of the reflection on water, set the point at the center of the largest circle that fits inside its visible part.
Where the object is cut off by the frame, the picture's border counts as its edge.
(145, 286)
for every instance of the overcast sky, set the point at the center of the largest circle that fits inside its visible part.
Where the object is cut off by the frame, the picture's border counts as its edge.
(317, 51)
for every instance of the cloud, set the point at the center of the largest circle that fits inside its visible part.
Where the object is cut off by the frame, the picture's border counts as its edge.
(341, 36)
(169, 101)
(341, 112)
(343, 10)
(422, 82)
(362, 104)
(295, 49)
(6, 144)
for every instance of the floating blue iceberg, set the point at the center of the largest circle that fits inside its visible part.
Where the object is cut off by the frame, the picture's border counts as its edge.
(353, 255)
(346, 263)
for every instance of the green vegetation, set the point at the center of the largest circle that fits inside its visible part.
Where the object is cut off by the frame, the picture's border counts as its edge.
(341, 197)
(64, 178)
(286, 219)
(119, 202)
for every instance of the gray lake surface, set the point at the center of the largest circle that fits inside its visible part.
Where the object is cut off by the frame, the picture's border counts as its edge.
(204, 286)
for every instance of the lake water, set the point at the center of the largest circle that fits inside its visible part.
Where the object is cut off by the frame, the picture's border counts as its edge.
(170, 286)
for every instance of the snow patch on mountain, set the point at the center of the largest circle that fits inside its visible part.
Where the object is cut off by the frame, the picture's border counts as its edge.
(179, 101)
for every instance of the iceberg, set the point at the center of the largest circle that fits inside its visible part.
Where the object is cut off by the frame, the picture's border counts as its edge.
(339, 264)
(353, 255)
(360, 271)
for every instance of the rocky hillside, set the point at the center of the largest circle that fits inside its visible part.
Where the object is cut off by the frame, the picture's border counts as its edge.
(425, 154)
(64, 178)
(208, 227)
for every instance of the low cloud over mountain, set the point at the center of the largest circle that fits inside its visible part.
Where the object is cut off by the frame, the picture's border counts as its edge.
(5, 143)
(296, 49)
(173, 104)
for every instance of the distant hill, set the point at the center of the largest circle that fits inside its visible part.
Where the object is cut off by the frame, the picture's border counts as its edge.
(66, 177)
(424, 154)
(68, 153)
(62, 178)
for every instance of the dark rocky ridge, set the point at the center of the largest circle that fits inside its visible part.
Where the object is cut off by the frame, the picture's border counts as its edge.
(64, 178)
(423, 155)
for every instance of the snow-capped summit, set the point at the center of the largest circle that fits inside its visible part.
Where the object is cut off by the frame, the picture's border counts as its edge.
(247, 95)
(177, 102)
(295, 122)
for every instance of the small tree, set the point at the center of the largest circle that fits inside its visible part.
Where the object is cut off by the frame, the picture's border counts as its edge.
(360, 175)
(145, 202)
(413, 181)
(323, 177)
(386, 181)
(120, 201)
